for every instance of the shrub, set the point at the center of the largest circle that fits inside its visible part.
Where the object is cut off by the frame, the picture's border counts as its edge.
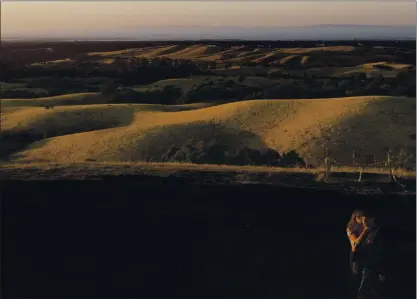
(214, 153)
(168, 155)
(170, 94)
(292, 159)
(221, 90)
(405, 160)
(108, 88)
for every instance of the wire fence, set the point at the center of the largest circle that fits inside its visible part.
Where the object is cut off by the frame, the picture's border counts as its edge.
(361, 163)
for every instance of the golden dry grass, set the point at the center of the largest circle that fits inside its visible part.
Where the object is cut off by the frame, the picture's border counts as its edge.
(160, 51)
(270, 56)
(140, 131)
(336, 56)
(65, 119)
(305, 60)
(293, 59)
(113, 53)
(242, 174)
(343, 49)
(59, 61)
(195, 51)
(108, 61)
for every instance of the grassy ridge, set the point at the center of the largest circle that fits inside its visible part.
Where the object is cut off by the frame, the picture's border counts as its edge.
(124, 133)
(336, 56)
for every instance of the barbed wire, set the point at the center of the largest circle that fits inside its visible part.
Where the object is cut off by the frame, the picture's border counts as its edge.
(344, 163)
(389, 162)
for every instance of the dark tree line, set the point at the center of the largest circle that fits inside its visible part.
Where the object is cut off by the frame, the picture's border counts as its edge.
(213, 153)
(124, 72)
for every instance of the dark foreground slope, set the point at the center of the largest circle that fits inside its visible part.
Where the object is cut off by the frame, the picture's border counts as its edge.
(165, 239)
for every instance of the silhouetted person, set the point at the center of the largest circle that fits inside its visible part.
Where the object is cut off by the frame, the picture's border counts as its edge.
(371, 256)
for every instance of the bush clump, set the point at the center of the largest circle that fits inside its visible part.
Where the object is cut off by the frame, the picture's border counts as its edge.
(214, 153)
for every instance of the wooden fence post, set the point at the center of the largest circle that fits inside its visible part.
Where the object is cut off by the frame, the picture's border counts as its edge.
(354, 157)
(328, 169)
(392, 177)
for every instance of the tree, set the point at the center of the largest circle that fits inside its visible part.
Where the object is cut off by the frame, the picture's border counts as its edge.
(143, 62)
(292, 159)
(4, 71)
(204, 66)
(170, 94)
(108, 88)
(80, 58)
(405, 160)
(265, 63)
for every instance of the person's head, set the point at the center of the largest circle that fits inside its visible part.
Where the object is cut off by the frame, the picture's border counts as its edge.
(355, 218)
(369, 218)
(358, 215)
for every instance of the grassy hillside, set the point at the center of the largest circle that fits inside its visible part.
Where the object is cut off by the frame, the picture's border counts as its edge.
(333, 56)
(187, 83)
(4, 85)
(369, 72)
(334, 49)
(121, 133)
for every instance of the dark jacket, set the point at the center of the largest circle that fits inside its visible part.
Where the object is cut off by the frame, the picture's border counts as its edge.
(374, 253)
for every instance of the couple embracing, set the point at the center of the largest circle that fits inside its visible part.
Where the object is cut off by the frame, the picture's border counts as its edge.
(369, 255)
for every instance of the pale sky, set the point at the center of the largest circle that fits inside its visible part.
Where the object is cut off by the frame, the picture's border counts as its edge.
(32, 19)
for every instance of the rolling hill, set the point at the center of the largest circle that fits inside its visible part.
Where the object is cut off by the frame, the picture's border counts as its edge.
(320, 56)
(252, 60)
(124, 132)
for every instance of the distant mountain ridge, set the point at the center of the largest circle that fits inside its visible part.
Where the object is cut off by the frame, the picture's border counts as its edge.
(314, 32)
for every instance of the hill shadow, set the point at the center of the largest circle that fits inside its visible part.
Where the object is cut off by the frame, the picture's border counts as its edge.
(210, 143)
(216, 142)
